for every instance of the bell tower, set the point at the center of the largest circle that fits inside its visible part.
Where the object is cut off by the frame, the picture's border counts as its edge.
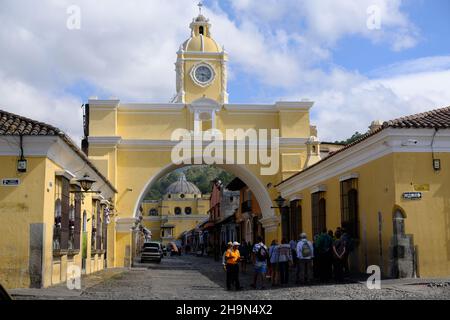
(201, 65)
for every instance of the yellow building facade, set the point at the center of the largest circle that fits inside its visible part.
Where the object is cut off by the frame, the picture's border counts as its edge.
(392, 190)
(48, 228)
(181, 209)
(131, 143)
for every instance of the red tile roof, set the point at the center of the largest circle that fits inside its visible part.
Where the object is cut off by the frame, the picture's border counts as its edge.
(434, 119)
(15, 125)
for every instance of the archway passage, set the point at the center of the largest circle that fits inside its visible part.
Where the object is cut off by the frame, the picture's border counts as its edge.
(138, 169)
(199, 219)
(250, 179)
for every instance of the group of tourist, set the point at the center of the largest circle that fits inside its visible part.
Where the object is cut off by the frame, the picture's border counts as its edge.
(320, 259)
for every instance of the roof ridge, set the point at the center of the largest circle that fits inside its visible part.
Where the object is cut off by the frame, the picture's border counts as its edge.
(56, 129)
(417, 115)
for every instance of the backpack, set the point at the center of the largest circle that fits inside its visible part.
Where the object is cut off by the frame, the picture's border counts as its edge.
(306, 250)
(261, 254)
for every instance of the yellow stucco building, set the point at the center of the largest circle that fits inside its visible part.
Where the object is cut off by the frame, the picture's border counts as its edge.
(391, 190)
(131, 143)
(181, 209)
(48, 228)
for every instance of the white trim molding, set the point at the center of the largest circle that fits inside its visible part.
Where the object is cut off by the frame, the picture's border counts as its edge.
(126, 107)
(104, 104)
(320, 188)
(66, 174)
(294, 105)
(105, 141)
(298, 196)
(349, 177)
(270, 223)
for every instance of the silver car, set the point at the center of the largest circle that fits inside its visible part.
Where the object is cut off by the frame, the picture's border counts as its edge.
(151, 251)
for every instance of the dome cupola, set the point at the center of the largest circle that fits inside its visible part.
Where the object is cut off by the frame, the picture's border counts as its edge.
(182, 189)
(200, 40)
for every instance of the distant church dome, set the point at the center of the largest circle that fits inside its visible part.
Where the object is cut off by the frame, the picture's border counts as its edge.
(182, 186)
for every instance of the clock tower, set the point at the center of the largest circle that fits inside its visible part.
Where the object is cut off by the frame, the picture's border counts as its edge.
(201, 66)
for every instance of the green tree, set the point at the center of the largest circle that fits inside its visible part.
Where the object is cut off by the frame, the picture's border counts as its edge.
(352, 139)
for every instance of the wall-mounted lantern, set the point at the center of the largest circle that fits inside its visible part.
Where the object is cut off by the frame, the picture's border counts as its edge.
(86, 184)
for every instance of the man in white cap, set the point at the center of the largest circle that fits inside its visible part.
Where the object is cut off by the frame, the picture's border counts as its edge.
(233, 258)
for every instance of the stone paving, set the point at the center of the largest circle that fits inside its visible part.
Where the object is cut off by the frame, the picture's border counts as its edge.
(201, 278)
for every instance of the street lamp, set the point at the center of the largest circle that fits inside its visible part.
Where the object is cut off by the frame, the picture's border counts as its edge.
(280, 201)
(86, 184)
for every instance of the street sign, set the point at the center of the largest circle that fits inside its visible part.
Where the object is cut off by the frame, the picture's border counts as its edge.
(412, 195)
(10, 182)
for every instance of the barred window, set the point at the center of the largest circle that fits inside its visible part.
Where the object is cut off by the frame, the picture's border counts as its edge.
(62, 211)
(319, 215)
(349, 207)
(296, 219)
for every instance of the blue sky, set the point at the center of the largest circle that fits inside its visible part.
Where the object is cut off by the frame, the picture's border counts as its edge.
(279, 50)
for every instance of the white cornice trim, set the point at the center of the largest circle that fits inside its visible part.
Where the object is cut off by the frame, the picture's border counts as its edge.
(105, 141)
(294, 105)
(379, 145)
(300, 142)
(108, 104)
(298, 196)
(250, 107)
(321, 188)
(66, 174)
(349, 177)
(126, 107)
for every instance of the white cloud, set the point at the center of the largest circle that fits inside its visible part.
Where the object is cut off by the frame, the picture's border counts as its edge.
(127, 49)
(62, 111)
(327, 21)
(342, 110)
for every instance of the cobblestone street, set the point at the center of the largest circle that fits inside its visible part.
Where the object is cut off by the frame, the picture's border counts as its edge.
(200, 278)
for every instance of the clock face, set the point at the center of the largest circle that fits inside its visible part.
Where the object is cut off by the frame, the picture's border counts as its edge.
(203, 74)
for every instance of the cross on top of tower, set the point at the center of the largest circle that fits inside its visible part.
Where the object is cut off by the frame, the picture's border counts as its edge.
(200, 6)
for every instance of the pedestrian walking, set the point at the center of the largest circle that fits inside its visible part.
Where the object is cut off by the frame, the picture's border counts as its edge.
(260, 256)
(338, 262)
(273, 259)
(284, 260)
(233, 257)
(305, 254)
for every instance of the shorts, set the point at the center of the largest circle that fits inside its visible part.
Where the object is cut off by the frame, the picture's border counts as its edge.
(260, 268)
